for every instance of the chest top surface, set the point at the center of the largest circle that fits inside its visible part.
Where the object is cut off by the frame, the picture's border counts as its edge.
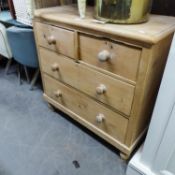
(150, 32)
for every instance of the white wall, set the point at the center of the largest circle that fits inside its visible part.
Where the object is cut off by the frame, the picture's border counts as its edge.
(158, 153)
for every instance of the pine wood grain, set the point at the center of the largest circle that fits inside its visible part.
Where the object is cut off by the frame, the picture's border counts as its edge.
(113, 124)
(130, 86)
(63, 40)
(151, 32)
(118, 95)
(124, 59)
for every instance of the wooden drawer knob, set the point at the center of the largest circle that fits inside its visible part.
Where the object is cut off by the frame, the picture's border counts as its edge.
(58, 94)
(51, 40)
(104, 56)
(55, 67)
(100, 118)
(101, 89)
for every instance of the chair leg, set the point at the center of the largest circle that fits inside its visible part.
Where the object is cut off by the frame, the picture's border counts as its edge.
(35, 77)
(27, 75)
(8, 66)
(19, 74)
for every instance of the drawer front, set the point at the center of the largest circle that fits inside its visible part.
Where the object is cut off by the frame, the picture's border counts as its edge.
(102, 87)
(101, 117)
(59, 67)
(57, 39)
(106, 89)
(116, 58)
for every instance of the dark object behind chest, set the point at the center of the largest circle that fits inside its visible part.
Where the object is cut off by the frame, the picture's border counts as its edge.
(164, 7)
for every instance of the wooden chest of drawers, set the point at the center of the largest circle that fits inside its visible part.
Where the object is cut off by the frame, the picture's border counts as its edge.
(104, 76)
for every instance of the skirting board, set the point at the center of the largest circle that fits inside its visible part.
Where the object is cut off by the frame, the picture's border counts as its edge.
(137, 167)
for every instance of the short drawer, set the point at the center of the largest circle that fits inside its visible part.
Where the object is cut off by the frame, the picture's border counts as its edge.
(94, 113)
(55, 38)
(59, 67)
(119, 59)
(104, 88)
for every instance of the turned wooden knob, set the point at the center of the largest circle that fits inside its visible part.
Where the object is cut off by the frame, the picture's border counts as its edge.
(100, 118)
(51, 40)
(58, 94)
(55, 67)
(101, 89)
(104, 56)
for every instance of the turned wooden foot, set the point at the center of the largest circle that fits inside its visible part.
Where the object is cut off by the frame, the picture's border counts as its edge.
(124, 156)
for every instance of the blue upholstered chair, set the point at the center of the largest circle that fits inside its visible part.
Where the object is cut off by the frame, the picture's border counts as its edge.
(23, 48)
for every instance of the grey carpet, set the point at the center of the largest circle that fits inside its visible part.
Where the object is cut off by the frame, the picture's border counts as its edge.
(37, 141)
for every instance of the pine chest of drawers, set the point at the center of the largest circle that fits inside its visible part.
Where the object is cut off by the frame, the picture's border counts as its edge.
(104, 76)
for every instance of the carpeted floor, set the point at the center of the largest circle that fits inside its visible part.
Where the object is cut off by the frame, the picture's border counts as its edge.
(37, 141)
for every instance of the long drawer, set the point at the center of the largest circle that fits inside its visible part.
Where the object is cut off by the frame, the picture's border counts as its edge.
(101, 117)
(104, 88)
(119, 59)
(55, 38)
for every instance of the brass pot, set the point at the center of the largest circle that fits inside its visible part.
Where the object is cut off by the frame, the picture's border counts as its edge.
(123, 11)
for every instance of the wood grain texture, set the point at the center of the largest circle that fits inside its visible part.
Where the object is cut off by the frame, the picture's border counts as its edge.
(127, 90)
(121, 146)
(151, 32)
(124, 60)
(113, 124)
(118, 95)
(150, 73)
(68, 69)
(57, 39)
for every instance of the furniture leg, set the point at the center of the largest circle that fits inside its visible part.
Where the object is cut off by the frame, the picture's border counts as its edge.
(11, 7)
(124, 156)
(125, 65)
(34, 79)
(19, 74)
(8, 66)
(27, 74)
